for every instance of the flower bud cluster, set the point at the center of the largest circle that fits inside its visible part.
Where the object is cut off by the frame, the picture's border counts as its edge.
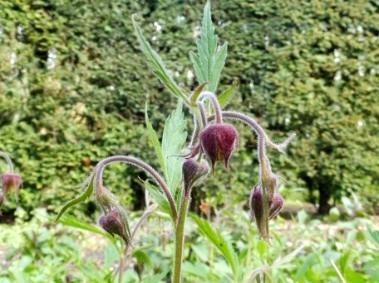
(257, 206)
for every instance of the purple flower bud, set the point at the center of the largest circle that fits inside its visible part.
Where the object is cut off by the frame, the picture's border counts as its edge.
(113, 222)
(11, 182)
(193, 172)
(256, 204)
(218, 142)
(276, 205)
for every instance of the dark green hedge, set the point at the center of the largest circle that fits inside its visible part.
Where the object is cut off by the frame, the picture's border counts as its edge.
(307, 67)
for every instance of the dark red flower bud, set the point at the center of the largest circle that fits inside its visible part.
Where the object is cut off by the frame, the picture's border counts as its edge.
(193, 172)
(276, 205)
(11, 182)
(256, 204)
(218, 142)
(114, 223)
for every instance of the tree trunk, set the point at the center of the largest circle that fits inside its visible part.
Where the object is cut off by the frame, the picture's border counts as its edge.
(324, 197)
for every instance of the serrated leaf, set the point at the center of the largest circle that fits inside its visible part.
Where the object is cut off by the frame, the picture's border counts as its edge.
(210, 58)
(156, 64)
(173, 140)
(219, 241)
(154, 141)
(225, 97)
(87, 193)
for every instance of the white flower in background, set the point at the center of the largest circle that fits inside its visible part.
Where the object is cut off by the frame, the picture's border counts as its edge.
(13, 59)
(196, 32)
(51, 58)
(337, 56)
(158, 27)
(338, 76)
(180, 19)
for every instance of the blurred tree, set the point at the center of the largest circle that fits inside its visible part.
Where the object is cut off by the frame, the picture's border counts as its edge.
(73, 88)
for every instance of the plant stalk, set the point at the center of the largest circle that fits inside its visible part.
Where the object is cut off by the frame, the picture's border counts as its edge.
(179, 238)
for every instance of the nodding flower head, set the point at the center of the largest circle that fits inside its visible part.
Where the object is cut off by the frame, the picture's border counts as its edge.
(114, 223)
(218, 142)
(11, 182)
(276, 205)
(256, 204)
(193, 172)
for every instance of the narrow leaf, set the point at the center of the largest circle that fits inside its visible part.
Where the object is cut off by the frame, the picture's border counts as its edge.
(225, 97)
(75, 223)
(156, 64)
(219, 241)
(86, 194)
(196, 93)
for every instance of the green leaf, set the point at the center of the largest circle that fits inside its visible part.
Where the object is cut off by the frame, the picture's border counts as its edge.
(210, 58)
(374, 236)
(156, 64)
(197, 92)
(225, 97)
(158, 197)
(87, 193)
(219, 241)
(154, 141)
(73, 222)
(173, 141)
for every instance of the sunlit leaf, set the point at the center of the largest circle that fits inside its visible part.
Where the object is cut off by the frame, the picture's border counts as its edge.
(173, 140)
(156, 64)
(210, 58)
(87, 193)
(217, 239)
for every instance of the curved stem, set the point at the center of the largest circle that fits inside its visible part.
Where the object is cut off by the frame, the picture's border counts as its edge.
(8, 160)
(203, 113)
(98, 179)
(213, 98)
(197, 127)
(267, 178)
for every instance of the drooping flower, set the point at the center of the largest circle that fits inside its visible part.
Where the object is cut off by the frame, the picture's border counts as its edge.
(193, 172)
(276, 205)
(11, 182)
(114, 223)
(218, 142)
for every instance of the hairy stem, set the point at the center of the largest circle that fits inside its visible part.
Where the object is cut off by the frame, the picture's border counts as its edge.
(179, 238)
(98, 179)
(8, 160)
(216, 106)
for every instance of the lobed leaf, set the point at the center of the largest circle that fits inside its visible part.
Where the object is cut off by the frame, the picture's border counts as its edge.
(210, 58)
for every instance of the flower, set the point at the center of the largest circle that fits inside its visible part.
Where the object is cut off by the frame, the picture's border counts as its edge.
(113, 222)
(218, 142)
(193, 172)
(11, 182)
(276, 205)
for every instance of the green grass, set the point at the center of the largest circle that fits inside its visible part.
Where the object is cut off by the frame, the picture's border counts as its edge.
(301, 250)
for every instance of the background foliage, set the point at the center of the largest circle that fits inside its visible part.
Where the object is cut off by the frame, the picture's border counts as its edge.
(74, 84)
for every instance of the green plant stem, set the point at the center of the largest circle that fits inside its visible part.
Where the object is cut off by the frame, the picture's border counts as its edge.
(179, 238)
